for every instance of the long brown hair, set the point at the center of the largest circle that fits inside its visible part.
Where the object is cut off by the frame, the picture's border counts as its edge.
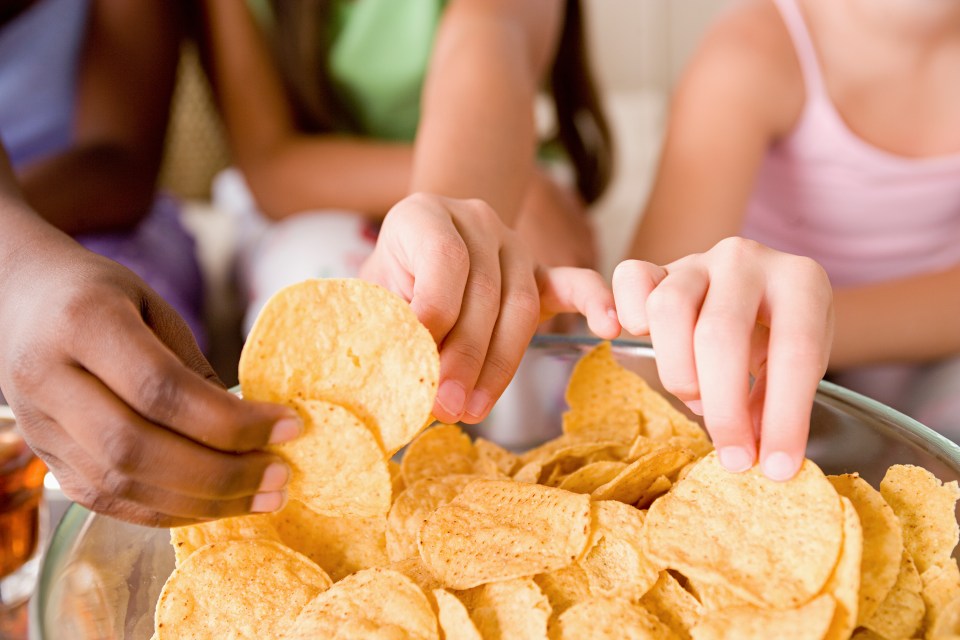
(581, 129)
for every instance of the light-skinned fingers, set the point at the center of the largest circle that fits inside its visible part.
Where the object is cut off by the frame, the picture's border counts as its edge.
(801, 328)
(143, 372)
(583, 291)
(515, 326)
(633, 280)
(129, 446)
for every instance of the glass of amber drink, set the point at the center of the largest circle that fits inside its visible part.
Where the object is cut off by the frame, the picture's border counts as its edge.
(21, 519)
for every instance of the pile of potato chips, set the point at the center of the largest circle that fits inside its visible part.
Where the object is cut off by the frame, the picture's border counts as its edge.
(625, 526)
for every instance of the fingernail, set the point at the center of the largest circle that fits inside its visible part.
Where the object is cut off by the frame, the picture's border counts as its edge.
(275, 477)
(735, 459)
(285, 430)
(451, 397)
(779, 466)
(268, 502)
(479, 403)
(696, 406)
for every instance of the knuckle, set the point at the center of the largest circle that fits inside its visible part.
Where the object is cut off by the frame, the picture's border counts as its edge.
(158, 394)
(469, 353)
(448, 249)
(122, 450)
(715, 329)
(482, 285)
(664, 301)
(25, 370)
(498, 370)
(524, 304)
(116, 484)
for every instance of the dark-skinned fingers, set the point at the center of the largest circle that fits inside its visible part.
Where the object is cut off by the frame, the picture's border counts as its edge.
(146, 375)
(174, 332)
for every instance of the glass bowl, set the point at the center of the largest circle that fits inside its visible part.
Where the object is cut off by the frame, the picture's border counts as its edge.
(101, 578)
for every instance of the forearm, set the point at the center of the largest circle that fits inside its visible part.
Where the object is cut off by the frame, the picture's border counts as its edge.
(908, 320)
(477, 136)
(329, 172)
(90, 188)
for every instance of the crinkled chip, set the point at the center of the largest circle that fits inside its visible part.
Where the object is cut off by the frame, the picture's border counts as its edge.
(608, 618)
(882, 541)
(337, 467)
(901, 612)
(413, 506)
(347, 342)
(441, 450)
(341, 546)
(926, 509)
(808, 622)
(244, 589)
(373, 599)
(455, 621)
(717, 527)
(187, 539)
(673, 605)
(498, 529)
(508, 609)
(615, 562)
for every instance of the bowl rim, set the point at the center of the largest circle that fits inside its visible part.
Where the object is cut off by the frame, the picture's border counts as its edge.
(894, 422)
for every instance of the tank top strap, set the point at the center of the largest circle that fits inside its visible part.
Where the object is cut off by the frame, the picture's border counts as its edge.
(803, 45)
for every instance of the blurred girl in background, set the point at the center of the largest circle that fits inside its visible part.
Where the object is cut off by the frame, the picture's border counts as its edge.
(829, 128)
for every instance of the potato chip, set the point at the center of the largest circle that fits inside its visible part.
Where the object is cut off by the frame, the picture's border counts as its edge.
(323, 478)
(529, 473)
(380, 598)
(491, 455)
(615, 562)
(340, 546)
(717, 596)
(844, 583)
(413, 506)
(636, 479)
(901, 612)
(396, 479)
(564, 587)
(809, 622)
(713, 524)
(414, 569)
(571, 458)
(656, 489)
(441, 450)
(248, 589)
(926, 509)
(941, 586)
(454, 618)
(589, 477)
(508, 610)
(350, 343)
(673, 605)
(947, 624)
(609, 619)
(497, 529)
(619, 424)
(187, 539)
(882, 541)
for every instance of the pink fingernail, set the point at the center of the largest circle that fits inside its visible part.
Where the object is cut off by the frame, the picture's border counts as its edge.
(275, 477)
(268, 502)
(479, 403)
(735, 459)
(285, 430)
(779, 466)
(696, 406)
(451, 396)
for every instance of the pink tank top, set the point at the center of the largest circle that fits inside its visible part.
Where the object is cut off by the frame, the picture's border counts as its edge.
(863, 213)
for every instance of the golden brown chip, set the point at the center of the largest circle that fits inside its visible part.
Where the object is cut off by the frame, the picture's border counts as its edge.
(496, 530)
(396, 479)
(609, 619)
(564, 587)
(713, 524)
(844, 583)
(717, 596)
(340, 546)
(569, 459)
(901, 612)
(491, 455)
(413, 506)
(941, 586)
(809, 622)
(414, 569)
(636, 479)
(589, 477)
(656, 489)
(380, 598)
(947, 624)
(545, 450)
(673, 605)
(619, 424)
(350, 343)
(186, 540)
(509, 609)
(245, 589)
(441, 450)
(454, 618)
(882, 541)
(326, 478)
(529, 473)
(926, 509)
(615, 562)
